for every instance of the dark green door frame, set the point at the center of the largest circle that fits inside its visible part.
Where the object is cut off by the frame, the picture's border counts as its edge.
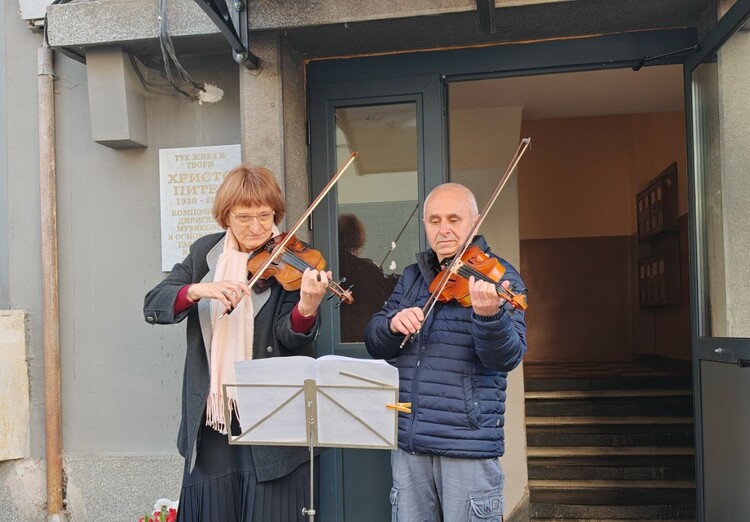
(595, 53)
(423, 78)
(426, 92)
(705, 348)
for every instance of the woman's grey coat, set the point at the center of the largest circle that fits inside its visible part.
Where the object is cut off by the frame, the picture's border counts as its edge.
(273, 337)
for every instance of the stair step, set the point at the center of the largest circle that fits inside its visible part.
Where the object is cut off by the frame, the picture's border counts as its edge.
(611, 407)
(610, 493)
(618, 421)
(611, 484)
(653, 471)
(620, 513)
(629, 383)
(613, 467)
(535, 519)
(578, 394)
(603, 451)
(579, 437)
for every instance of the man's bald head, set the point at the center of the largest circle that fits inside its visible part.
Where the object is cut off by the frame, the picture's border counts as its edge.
(460, 190)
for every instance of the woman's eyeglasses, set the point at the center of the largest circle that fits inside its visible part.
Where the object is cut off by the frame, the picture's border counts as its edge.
(264, 218)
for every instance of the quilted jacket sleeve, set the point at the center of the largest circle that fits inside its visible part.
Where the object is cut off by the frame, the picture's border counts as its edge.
(380, 342)
(500, 340)
(158, 305)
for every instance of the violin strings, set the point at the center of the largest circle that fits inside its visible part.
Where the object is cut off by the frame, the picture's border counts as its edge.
(467, 270)
(301, 265)
(294, 261)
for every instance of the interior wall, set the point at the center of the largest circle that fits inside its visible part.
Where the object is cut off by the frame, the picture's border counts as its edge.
(482, 142)
(662, 138)
(579, 247)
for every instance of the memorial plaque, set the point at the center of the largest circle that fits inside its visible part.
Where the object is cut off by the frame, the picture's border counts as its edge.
(188, 179)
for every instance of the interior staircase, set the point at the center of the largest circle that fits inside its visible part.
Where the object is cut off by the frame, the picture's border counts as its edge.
(609, 442)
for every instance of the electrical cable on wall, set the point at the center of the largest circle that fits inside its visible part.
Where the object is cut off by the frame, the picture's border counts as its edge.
(206, 93)
(170, 57)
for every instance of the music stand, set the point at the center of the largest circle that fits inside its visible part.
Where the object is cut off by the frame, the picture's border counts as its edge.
(333, 401)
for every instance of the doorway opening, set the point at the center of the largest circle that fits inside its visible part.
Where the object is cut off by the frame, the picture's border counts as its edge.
(596, 219)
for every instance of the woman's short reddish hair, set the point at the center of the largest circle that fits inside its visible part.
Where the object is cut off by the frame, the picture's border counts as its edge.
(248, 186)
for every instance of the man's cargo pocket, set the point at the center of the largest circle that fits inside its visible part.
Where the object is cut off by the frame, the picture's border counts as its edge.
(394, 504)
(486, 506)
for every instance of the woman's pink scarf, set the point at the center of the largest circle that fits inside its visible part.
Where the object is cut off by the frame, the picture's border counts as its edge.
(232, 335)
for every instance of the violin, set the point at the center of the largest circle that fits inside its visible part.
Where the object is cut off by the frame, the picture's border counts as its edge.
(475, 263)
(289, 264)
(279, 247)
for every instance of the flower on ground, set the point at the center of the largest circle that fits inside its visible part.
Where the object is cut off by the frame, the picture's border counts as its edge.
(165, 510)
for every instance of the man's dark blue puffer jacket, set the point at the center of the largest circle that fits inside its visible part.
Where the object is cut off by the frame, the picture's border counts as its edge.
(454, 372)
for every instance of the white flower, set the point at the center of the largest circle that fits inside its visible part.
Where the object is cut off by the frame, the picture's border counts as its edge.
(165, 503)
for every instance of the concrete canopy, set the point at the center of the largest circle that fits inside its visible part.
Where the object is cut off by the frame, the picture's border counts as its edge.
(336, 28)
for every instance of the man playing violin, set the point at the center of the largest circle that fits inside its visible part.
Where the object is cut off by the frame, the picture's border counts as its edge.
(453, 372)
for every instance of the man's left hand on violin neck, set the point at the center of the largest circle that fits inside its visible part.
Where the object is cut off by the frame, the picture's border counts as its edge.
(485, 300)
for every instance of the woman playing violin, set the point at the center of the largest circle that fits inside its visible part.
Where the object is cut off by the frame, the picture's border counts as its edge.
(222, 481)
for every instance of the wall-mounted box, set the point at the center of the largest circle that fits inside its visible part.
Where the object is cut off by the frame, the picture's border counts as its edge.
(657, 206)
(33, 9)
(117, 101)
(659, 280)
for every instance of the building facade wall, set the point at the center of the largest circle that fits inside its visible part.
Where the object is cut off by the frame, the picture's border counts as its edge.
(119, 455)
(22, 481)
(121, 378)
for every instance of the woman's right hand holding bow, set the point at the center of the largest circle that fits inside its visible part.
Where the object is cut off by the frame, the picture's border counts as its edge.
(229, 293)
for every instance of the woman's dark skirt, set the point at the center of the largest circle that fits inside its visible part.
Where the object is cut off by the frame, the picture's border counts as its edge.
(223, 487)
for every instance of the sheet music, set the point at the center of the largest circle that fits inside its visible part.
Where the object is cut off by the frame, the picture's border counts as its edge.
(254, 403)
(351, 396)
(339, 426)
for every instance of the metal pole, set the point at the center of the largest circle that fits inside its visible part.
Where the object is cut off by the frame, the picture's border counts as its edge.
(50, 312)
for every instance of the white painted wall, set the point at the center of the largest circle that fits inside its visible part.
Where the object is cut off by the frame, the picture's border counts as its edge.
(14, 387)
(482, 142)
(121, 378)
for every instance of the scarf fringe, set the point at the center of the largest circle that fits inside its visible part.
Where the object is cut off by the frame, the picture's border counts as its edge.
(215, 412)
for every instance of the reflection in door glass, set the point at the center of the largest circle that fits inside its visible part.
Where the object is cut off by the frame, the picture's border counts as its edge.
(378, 214)
(721, 127)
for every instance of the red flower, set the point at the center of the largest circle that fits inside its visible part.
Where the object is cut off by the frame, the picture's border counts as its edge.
(164, 514)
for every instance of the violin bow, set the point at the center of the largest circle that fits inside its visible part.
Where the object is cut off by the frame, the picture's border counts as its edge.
(278, 249)
(394, 243)
(455, 262)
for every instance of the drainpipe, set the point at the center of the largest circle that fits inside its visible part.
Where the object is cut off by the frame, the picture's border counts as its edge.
(50, 289)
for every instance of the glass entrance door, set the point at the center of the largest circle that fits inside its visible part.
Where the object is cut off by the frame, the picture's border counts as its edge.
(718, 80)
(377, 204)
(369, 229)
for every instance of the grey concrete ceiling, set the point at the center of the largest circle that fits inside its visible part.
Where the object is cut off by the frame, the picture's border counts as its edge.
(130, 23)
(512, 24)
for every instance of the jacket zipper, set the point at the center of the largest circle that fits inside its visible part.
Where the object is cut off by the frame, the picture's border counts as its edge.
(415, 382)
(414, 394)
